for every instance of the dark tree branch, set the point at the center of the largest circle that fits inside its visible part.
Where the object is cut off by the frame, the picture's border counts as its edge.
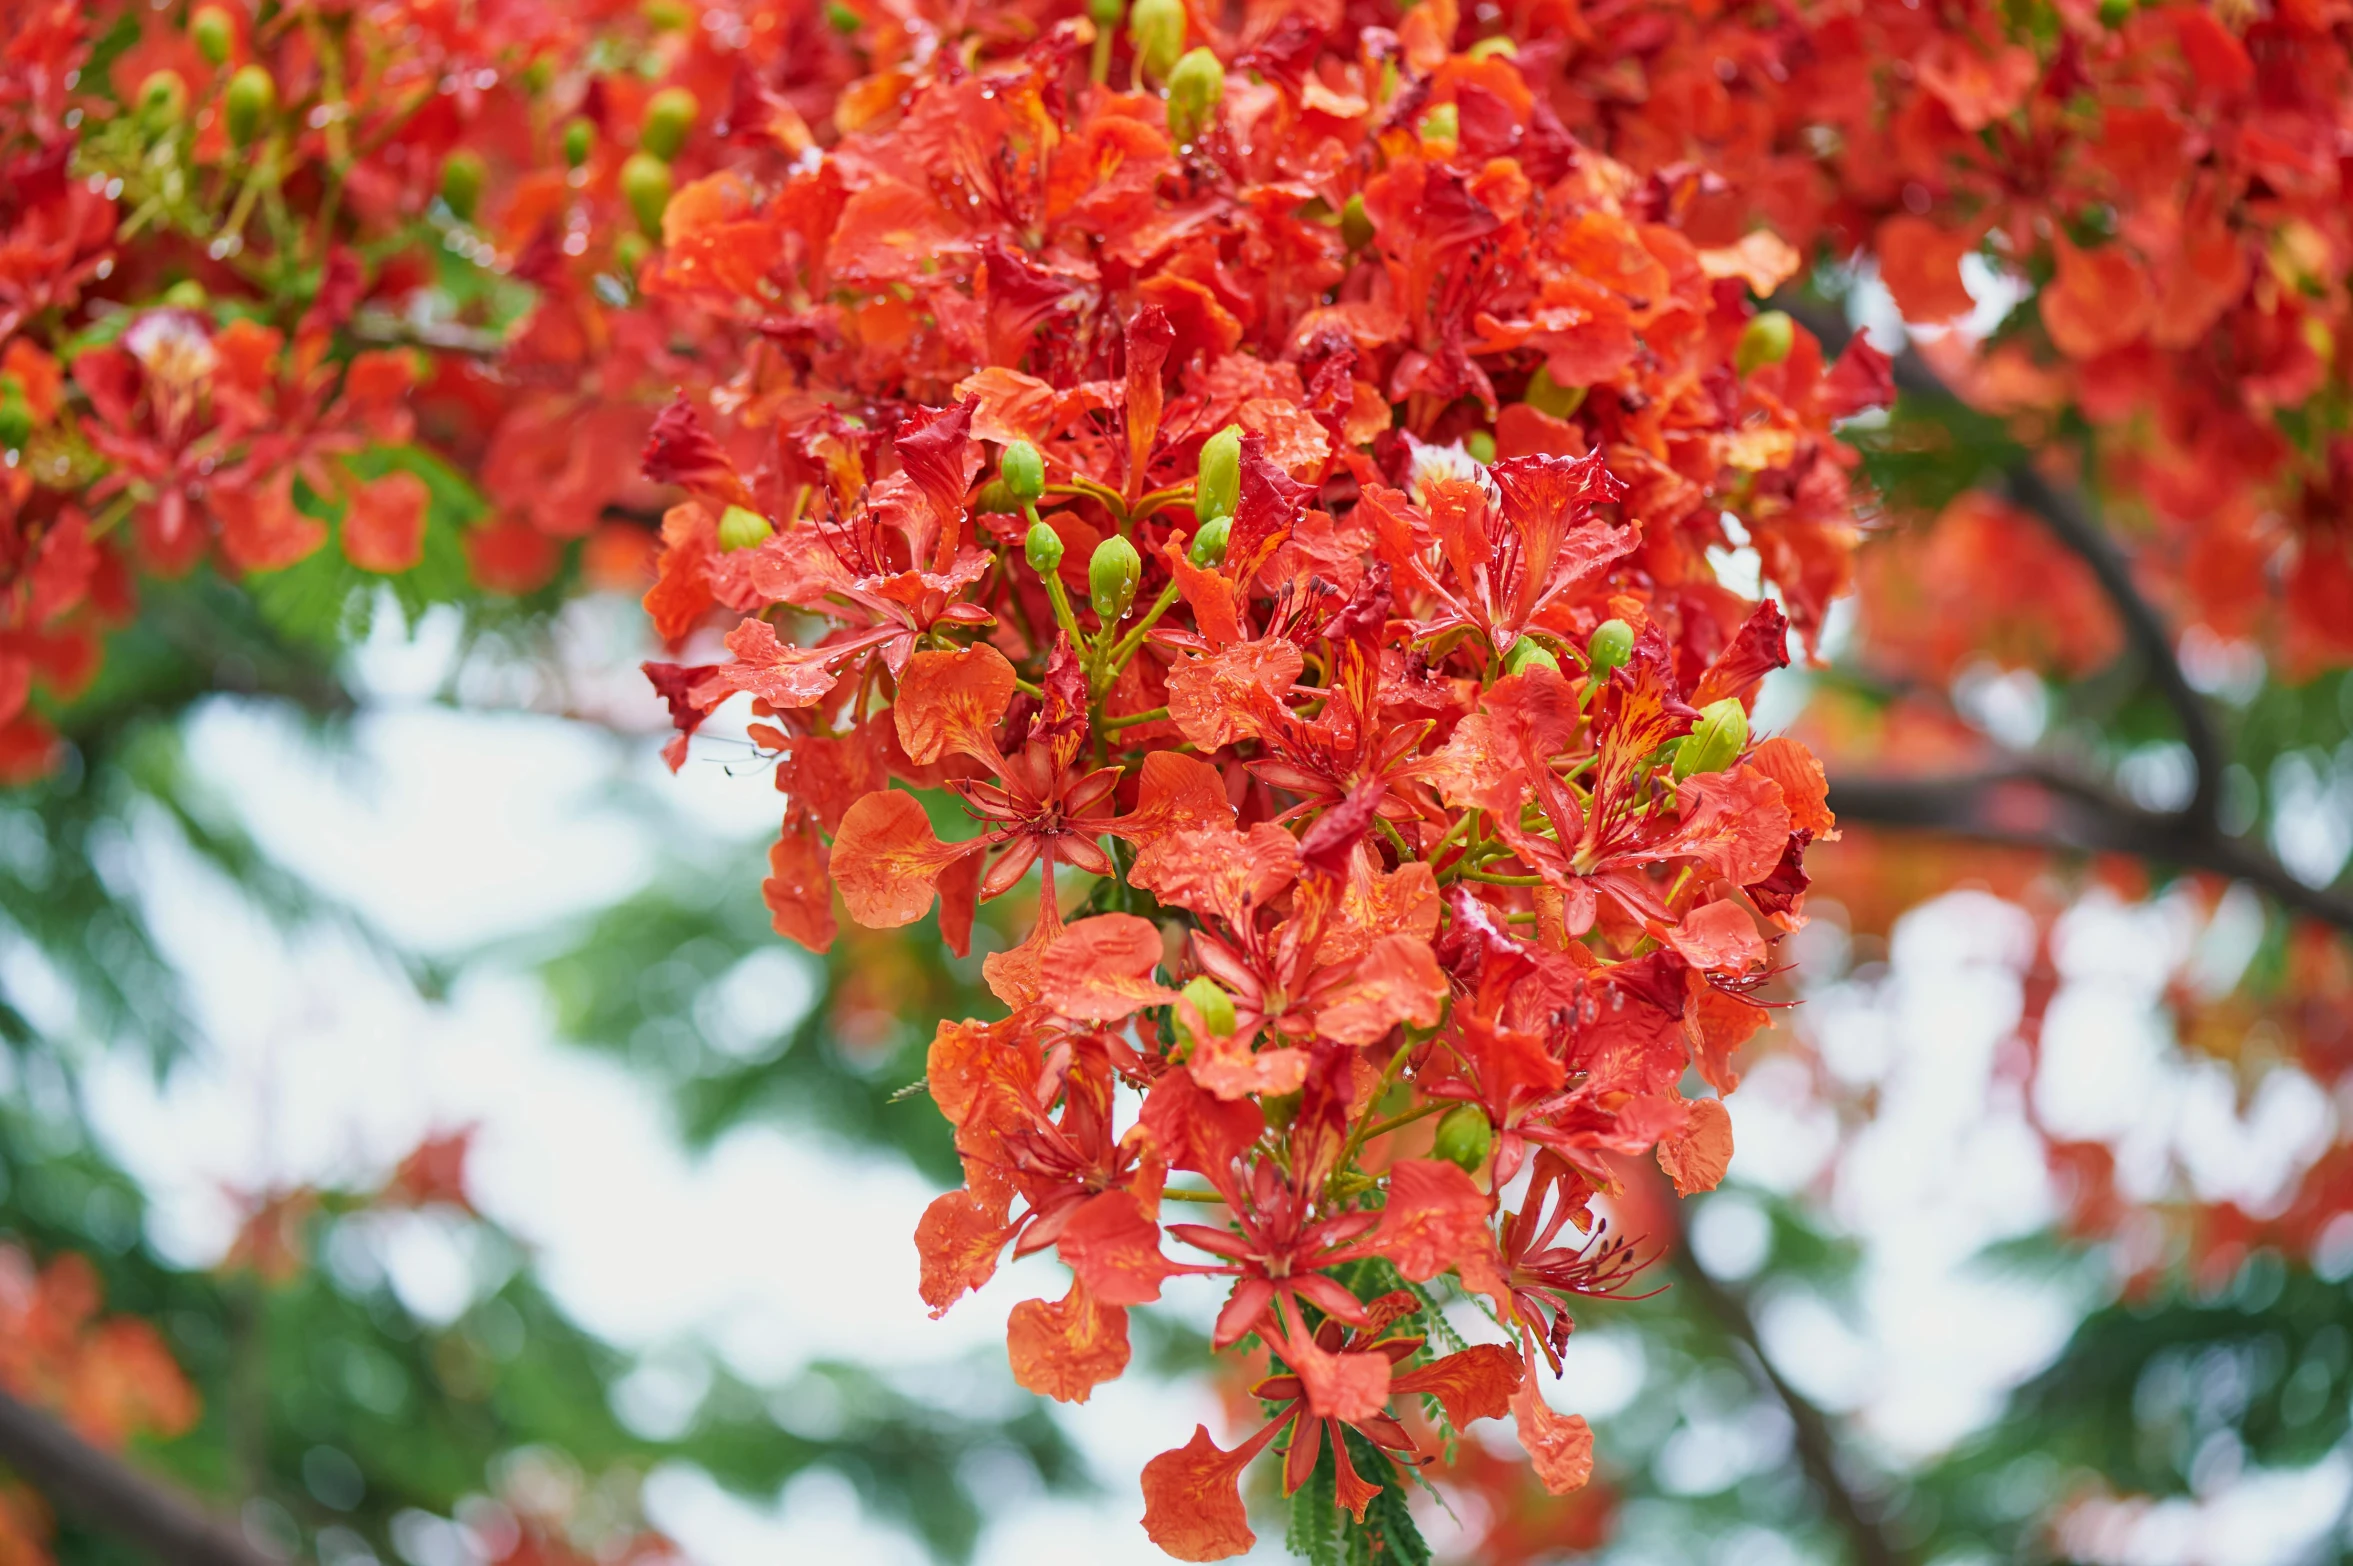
(2069, 518)
(1812, 1433)
(2032, 804)
(109, 1495)
(2030, 808)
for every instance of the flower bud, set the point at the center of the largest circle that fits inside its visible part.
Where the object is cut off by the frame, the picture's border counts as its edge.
(843, 20)
(1481, 445)
(1213, 1003)
(461, 184)
(1716, 741)
(186, 294)
(1023, 470)
(16, 414)
(1112, 576)
(579, 142)
(669, 115)
(1280, 1110)
(1489, 48)
(645, 185)
(2115, 13)
(740, 527)
(666, 16)
(1547, 395)
(1612, 645)
(1442, 126)
(1465, 1138)
(251, 99)
(995, 499)
(1157, 29)
(1766, 339)
(1105, 13)
(163, 99)
(1196, 86)
(213, 32)
(1356, 224)
(1043, 546)
(1217, 488)
(629, 253)
(1209, 545)
(1526, 651)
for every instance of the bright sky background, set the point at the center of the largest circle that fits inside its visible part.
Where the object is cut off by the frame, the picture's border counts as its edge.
(450, 828)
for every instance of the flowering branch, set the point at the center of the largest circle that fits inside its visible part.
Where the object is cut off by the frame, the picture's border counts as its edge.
(108, 1493)
(2038, 804)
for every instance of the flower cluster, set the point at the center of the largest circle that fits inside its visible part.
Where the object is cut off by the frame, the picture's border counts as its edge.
(2151, 199)
(270, 277)
(1260, 517)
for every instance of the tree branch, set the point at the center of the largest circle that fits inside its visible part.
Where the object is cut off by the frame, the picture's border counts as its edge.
(2067, 514)
(109, 1495)
(1813, 1434)
(2040, 808)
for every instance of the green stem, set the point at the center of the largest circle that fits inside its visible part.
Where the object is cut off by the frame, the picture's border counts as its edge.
(1170, 1195)
(1408, 1118)
(1469, 874)
(1127, 645)
(1130, 720)
(1147, 504)
(1081, 487)
(1363, 1129)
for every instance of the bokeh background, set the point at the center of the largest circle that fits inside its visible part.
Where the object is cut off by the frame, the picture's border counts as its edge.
(388, 1026)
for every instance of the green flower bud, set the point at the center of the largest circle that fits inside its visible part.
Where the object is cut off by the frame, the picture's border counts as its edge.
(163, 99)
(2115, 13)
(1157, 29)
(1209, 545)
(1024, 471)
(461, 184)
(1112, 576)
(1547, 395)
(214, 32)
(669, 115)
(1280, 1111)
(1612, 645)
(186, 294)
(1442, 125)
(843, 20)
(251, 99)
(995, 499)
(629, 253)
(666, 16)
(1217, 487)
(1213, 1003)
(1716, 742)
(645, 185)
(1489, 48)
(740, 527)
(1043, 546)
(1526, 651)
(1356, 225)
(1105, 13)
(579, 142)
(1481, 445)
(1766, 339)
(1195, 88)
(1465, 1138)
(16, 416)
